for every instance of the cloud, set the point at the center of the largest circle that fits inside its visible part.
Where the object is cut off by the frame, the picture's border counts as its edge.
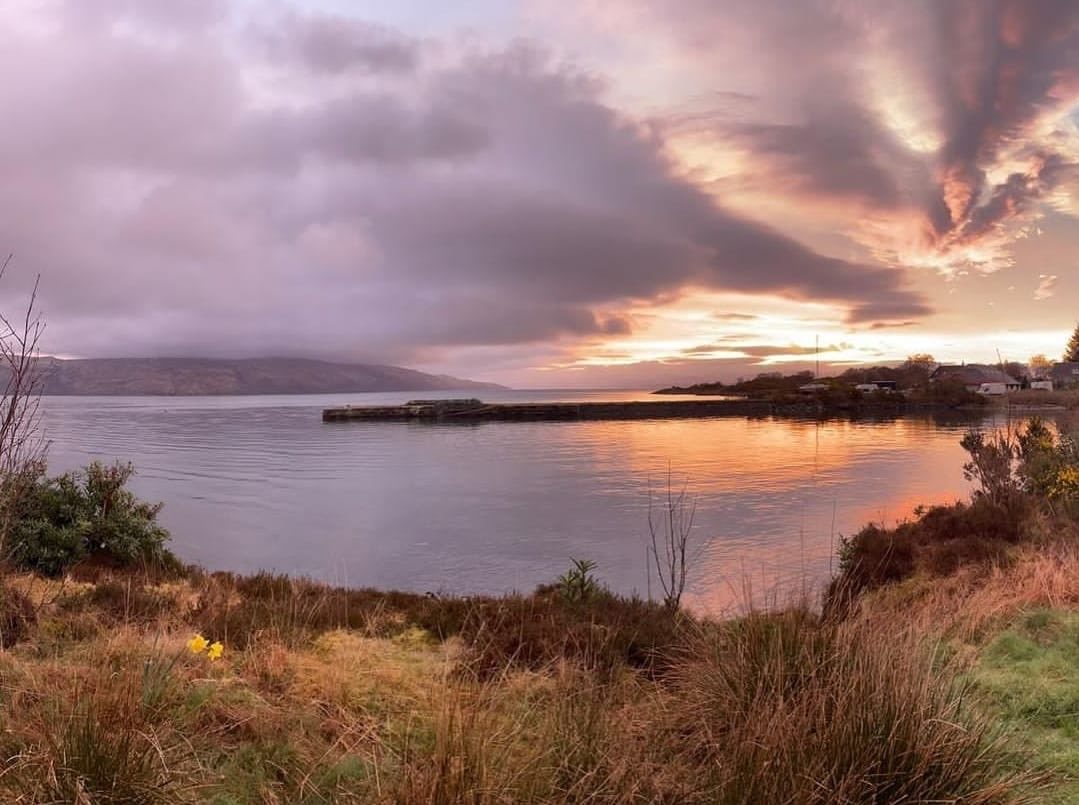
(948, 124)
(889, 325)
(735, 317)
(311, 185)
(1046, 286)
(760, 351)
(834, 150)
(159, 16)
(337, 44)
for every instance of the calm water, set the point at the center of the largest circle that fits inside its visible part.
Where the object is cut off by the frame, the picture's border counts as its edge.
(261, 483)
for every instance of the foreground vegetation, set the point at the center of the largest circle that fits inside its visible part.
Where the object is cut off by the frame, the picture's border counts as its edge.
(941, 667)
(324, 695)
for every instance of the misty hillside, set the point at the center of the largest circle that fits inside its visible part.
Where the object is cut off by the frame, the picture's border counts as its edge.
(193, 376)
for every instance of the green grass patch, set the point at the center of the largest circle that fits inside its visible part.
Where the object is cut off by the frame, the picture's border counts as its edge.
(1030, 675)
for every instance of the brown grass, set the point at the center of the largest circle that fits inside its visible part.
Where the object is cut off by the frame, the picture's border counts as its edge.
(977, 600)
(330, 695)
(787, 708)
(17, 616)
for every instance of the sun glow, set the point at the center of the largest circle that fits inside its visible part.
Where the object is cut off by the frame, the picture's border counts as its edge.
(897, 108)
(771, 332)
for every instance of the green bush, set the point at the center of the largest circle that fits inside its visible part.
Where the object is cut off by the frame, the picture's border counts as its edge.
(992, 466)
(1049, 465)
(88, 515)
(577, 584)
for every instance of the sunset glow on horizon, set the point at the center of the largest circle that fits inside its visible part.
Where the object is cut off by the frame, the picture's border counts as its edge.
(623, 193)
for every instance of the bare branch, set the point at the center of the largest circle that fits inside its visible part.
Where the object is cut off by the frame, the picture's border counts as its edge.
(22, 443)
(669, 534)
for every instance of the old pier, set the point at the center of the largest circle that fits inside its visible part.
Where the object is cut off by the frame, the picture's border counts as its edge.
(473, 410)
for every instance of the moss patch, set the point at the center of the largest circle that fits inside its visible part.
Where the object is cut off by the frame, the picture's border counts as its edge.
(1030, 675)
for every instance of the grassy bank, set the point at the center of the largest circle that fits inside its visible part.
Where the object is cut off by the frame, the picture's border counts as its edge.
(327, 695)
(1028, 672)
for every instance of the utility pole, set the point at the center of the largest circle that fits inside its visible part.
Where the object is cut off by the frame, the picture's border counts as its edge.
(817, 348)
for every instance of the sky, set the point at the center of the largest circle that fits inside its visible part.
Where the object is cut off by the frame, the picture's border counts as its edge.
(604, 193)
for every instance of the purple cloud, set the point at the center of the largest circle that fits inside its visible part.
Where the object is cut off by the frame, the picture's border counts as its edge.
(311, 185)
(948, 122)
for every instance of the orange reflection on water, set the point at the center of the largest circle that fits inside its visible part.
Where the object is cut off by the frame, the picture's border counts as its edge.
(719, 455)
(775, 496)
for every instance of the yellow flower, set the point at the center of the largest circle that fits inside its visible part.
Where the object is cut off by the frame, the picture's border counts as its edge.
(1066, 483)
(215, 651)
(197, 644)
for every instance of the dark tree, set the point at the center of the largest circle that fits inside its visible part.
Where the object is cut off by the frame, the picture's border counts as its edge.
(1040, 365)
(1071, 352)
(1017, 370)
(917, 368)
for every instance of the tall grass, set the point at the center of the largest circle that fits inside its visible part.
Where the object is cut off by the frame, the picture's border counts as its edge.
(789, 708)
(781, 708)
(341, 696)
(98, 742)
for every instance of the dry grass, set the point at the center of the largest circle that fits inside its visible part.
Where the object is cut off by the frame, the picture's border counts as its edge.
(978, 600)
(790, 709)
(343, 696)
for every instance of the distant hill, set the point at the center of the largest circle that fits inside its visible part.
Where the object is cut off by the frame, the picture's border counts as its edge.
(209, 376)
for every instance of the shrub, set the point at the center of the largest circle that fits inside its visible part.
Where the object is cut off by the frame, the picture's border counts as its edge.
(938, 542)
(540, 630)
(1049, 465)
(1016, 472)
(88, 515)
(1035, 461)
(992, 466)
(577, 584)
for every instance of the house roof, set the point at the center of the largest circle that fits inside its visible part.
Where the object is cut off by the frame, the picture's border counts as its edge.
(974, 374)
(1066, 371)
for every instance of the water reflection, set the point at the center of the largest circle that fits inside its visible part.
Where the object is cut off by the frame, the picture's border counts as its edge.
(255, 483)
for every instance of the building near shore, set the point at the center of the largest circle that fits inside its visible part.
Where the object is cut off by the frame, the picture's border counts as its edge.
(1065, 374)
(976, 376)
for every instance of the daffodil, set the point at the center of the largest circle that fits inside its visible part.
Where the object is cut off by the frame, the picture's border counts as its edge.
(197, 644)
(215, 651)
